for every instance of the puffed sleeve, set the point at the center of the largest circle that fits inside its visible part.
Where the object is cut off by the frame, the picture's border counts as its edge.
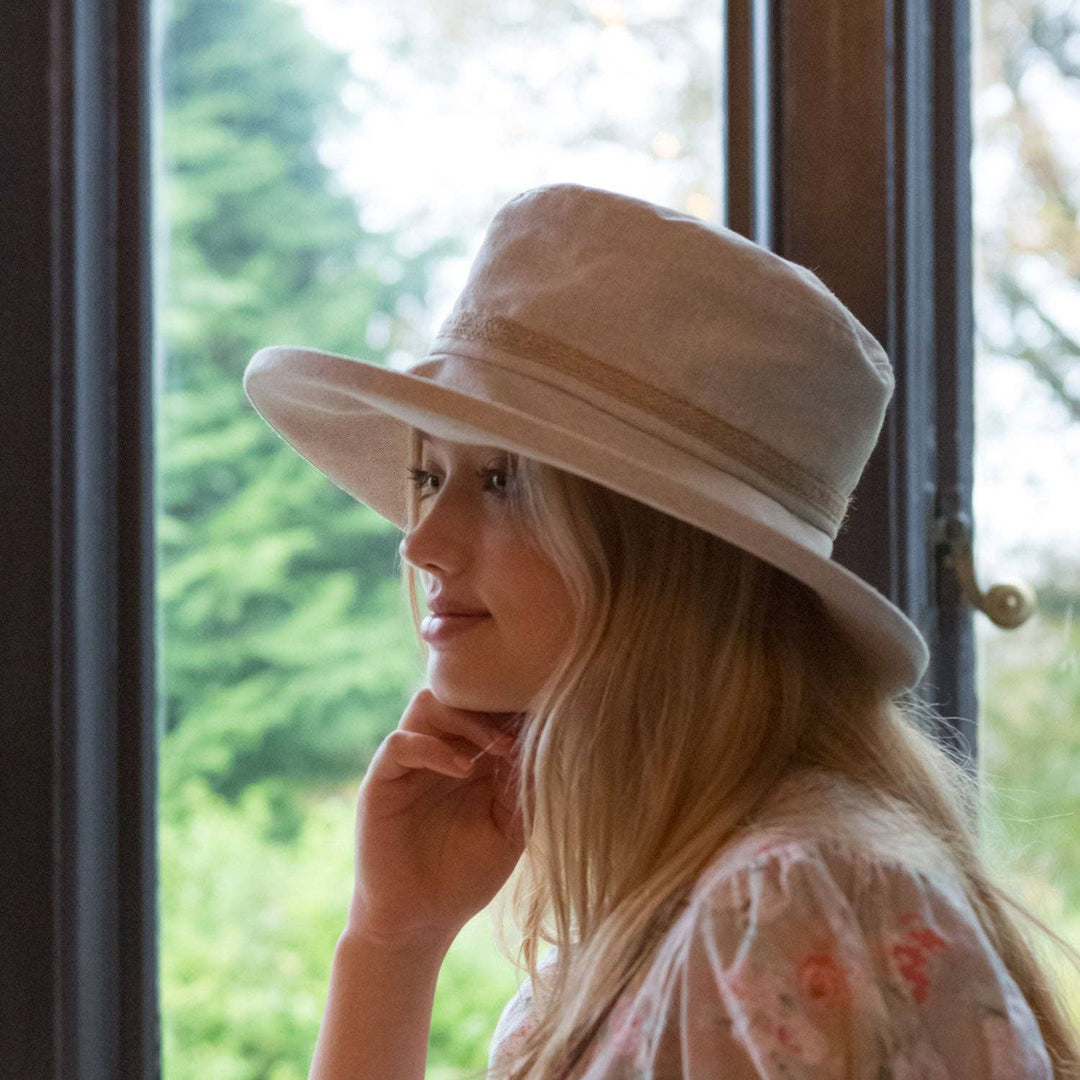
(802, 962)
(517, 1020)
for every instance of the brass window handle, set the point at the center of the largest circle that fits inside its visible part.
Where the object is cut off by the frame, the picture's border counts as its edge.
(1008, 604)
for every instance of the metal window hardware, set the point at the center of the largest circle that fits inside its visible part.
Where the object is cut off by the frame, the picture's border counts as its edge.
(1008, 604)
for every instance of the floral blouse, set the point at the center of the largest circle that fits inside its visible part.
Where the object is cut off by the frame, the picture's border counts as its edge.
(796, 958)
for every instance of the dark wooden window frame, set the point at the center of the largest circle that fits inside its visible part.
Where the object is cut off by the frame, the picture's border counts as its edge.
(848, 141)
(848, 147)
(79, 995)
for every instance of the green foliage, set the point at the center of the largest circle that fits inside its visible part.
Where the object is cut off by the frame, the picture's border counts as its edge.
(260, 249)
(1030, 773)
(475, 983)
(1030, 761)
(248, 924)
(253, 898)
(285, 650)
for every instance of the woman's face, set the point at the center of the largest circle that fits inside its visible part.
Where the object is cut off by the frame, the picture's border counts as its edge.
(470, 552)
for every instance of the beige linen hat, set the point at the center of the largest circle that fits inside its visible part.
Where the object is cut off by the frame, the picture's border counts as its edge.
(666, 357)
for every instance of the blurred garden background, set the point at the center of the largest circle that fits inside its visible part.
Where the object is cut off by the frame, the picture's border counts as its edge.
(325, 173)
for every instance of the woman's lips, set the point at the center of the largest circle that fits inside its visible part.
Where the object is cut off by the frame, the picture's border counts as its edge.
(436, 628)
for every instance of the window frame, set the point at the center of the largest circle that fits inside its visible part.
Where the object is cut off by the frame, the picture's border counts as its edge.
(78, 635)
(891, 128)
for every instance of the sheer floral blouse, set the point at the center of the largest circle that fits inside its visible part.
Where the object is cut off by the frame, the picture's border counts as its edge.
(804, 957)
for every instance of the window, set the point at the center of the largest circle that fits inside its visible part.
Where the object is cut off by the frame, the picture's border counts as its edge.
(288, 654)
(1027, 450)
(190, 609)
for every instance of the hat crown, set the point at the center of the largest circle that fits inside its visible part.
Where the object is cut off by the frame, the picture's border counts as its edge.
(686, 328)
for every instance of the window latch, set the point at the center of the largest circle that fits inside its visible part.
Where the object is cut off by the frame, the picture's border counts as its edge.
(1008, 604)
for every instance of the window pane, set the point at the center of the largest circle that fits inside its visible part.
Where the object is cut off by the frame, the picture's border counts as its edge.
(327, 171)
(1026, 179)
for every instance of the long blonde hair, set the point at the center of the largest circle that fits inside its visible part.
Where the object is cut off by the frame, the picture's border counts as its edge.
(697, 677)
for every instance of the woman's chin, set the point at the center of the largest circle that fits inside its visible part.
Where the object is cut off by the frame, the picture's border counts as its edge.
(475, 698)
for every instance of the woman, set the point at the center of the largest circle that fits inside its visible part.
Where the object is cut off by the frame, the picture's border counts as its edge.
(688, 733)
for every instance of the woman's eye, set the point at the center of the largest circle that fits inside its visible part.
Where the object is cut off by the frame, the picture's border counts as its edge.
(420, 477)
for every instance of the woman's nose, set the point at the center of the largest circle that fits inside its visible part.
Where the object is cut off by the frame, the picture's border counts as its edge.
(408, 548)
(437, 540)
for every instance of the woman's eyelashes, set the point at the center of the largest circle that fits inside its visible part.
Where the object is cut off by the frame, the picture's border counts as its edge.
(421, 477)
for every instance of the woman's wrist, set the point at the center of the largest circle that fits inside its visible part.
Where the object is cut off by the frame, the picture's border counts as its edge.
(359, 931)
(378, 1008)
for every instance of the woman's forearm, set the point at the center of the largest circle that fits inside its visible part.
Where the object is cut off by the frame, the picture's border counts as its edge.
(378, 1012)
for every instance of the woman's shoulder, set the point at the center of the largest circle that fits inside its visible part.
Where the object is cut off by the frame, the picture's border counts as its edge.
(774, 882)
(825, 932)
(824, 816)
(827, 882)
(811, 941)
(823, 852)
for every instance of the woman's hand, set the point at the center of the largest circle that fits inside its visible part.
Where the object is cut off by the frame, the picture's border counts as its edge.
(434, 842)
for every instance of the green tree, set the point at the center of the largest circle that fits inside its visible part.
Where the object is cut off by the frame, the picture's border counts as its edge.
(284, 651)
(246, 952)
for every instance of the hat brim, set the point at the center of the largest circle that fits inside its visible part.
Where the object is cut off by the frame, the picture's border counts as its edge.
(352, 420)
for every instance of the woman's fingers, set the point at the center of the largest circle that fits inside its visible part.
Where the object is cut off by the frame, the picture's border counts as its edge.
(429, 716)
(406, 751)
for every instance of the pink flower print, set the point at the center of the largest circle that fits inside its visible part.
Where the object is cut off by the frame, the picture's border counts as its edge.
(822, 979)
(510, 1043)
(910, 953)
(802, 1040)
(764, 1015)
(922, 933)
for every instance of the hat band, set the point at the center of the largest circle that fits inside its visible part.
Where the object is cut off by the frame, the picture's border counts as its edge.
(813, 499)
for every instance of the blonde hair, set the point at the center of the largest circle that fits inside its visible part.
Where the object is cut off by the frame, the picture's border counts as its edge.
(697, 677)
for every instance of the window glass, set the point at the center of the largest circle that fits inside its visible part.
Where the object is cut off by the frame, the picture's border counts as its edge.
(326, 174)
(1026, 193)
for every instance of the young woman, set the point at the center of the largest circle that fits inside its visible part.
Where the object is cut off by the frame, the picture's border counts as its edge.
(660, 719)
